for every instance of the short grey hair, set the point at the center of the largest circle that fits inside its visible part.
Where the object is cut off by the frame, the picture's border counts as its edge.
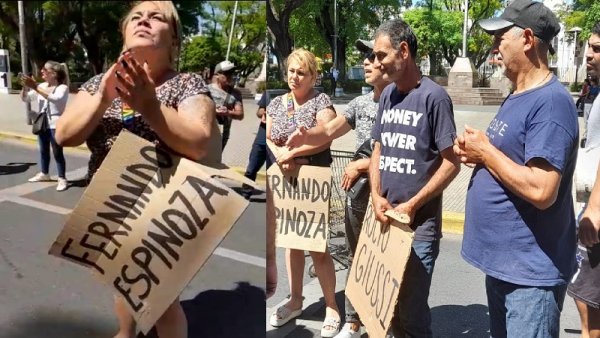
(542, 46)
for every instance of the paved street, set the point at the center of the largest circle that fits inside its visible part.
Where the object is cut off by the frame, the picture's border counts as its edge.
(457, 300)
(44, 296)
(12, 121)
(457, 296)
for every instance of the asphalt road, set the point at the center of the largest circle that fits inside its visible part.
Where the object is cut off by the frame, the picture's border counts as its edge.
(44, 296)
(457, 300)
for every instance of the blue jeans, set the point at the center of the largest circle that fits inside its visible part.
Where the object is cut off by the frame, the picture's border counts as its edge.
(258, 154)
(45, 140)
(524, 311)
(412, 316)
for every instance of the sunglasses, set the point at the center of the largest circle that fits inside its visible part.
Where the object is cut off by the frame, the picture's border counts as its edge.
(368, 55)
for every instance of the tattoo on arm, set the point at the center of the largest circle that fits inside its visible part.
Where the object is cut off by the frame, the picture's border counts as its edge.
(198, 108)
(326, 115)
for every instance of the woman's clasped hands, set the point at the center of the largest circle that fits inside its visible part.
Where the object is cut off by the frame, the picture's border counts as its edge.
(130, 81)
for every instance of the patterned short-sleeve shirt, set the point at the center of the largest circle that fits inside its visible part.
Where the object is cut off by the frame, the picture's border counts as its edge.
(361, 114)
(171, 93)
(306, 116)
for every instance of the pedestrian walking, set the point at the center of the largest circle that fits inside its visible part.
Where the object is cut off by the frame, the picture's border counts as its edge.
(52, 96)
(519, 219)
(258, 153)
(165, 107)
(334, 78)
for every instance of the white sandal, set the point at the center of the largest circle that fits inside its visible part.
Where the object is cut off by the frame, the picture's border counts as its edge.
(328, 324)
(283, 315)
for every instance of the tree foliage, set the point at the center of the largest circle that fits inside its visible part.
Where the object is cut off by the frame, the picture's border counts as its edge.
(583, 14)
(438, 25)
(278, 24)
(249, 34)
(311, 25)
(85, 34)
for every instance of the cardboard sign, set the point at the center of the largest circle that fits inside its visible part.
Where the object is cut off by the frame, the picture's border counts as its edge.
(301, 200)
(377, 270)
(147, 223)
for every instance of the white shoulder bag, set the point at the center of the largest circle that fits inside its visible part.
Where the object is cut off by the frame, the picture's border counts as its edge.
(585, 172)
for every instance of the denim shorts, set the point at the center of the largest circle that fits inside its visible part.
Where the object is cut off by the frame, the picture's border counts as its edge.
(584, 285)
(524, 311)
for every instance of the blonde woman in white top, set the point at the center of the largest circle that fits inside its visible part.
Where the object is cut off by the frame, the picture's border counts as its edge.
(52, 93)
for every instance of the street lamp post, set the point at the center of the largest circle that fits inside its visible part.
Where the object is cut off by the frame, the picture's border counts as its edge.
(23, 40)
(575, 30)
(464, 42)
(231, 31)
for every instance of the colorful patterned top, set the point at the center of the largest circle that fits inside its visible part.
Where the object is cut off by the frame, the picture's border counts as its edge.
(306, 116)
(171, 93)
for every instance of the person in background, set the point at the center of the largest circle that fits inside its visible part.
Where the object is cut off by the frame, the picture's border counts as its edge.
(585, 90)
(258, 154)
(52, 96)
(144, 94)
(227, 99)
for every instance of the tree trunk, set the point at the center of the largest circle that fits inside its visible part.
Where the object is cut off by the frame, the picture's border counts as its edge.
(435, 64)
(278, 25)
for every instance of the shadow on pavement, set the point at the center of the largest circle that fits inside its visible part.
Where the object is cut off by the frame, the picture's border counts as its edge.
(79, 183)
(54, 324)
(15, 168)
(460, 321)
(225, 313)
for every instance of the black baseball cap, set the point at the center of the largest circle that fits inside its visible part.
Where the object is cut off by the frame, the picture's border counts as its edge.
(526, 14)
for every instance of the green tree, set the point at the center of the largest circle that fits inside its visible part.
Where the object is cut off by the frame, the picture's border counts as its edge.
(438, 25)
(312, 25)
(278, 24)
(583, 14)
(200, 52)
(249, 33)
(66, 30)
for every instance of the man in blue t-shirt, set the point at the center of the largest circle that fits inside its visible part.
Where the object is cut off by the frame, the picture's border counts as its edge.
(519, 219)
(412, 163)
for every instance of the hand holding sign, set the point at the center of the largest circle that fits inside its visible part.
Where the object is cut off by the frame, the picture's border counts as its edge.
(399, 219)
(407, 211)
(375, 278)
(380, 206)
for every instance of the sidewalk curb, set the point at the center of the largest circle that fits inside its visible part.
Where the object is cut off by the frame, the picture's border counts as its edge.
(453, 222)
(261, 177)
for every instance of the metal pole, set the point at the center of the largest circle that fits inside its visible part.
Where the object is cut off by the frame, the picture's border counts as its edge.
(575, 56)
(335, 34)
(23, 40)
(24, 64)
(231, 31)
(464, 42)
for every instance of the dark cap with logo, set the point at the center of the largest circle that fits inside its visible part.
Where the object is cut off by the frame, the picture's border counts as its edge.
(526, 14)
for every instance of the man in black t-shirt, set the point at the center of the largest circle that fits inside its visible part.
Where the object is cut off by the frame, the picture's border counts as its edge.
(412, 163)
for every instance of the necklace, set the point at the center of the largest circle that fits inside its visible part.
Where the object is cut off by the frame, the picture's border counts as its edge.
(544, 79)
